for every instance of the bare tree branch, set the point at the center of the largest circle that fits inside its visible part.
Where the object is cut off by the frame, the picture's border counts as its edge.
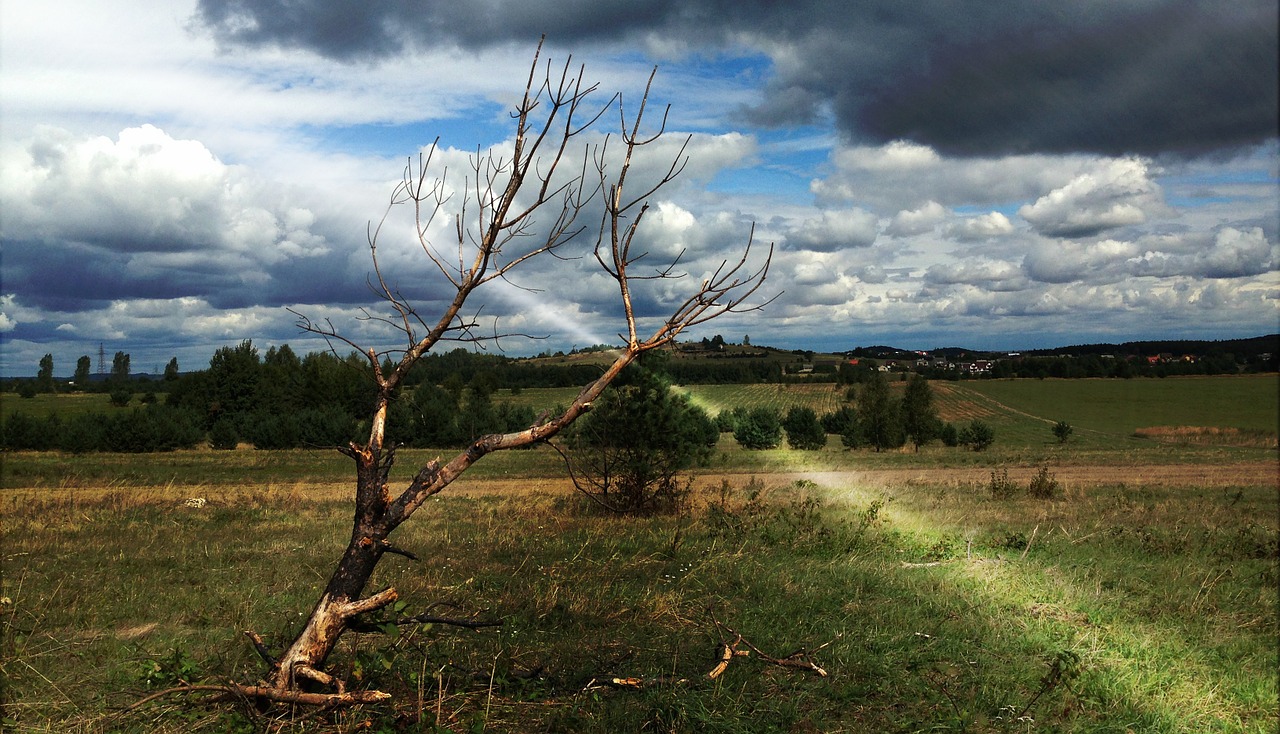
(510, 208)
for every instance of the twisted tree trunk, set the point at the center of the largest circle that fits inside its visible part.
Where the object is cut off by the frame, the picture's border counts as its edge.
(341, 602)
(376, 516)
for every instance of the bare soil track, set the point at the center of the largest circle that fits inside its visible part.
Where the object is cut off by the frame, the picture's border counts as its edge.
(1261, 473)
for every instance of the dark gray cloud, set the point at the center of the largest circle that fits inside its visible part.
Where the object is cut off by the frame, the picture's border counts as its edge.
(1129, 76)
(1178, 76)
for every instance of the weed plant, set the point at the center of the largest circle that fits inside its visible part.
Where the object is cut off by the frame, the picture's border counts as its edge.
(1044, 486)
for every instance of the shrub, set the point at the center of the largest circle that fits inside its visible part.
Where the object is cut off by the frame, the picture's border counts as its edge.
(839, 420)
(725, 422)
(1044, 485)
(852, 437)
(978, 436)
(23, 432)
(155, 428)
(328, 426)
(272, 431)
(121, 396)
(84, 435)
(1001, 486)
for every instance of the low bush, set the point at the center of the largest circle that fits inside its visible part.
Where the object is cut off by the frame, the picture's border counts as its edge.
(1044, 485)
(223, 436)
(1000, 486)
(151, 428)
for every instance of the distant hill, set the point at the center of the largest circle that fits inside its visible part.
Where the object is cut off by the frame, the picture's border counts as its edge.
(1252, 347)
(1249, 350)
(1241, 348)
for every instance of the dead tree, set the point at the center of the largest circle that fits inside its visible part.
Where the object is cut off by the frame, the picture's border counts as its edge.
(513, 207)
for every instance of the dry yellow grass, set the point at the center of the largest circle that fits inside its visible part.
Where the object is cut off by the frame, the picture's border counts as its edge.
(1209, 435)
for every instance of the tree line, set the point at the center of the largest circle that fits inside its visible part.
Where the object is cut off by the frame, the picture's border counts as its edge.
(278, 400)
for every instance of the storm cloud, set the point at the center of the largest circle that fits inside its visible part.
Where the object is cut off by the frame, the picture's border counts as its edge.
(995, 174)
(1007, 76)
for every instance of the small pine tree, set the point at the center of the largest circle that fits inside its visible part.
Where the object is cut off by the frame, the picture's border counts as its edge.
(878, 415)
(804, 432)
(920, 419)
(1062, 431)
(628, 451)
(760, 428)
(950, 435)
(978, 436)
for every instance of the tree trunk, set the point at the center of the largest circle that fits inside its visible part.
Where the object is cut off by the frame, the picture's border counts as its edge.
(341, 600)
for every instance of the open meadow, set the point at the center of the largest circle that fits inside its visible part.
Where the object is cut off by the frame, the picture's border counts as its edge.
(867, 592)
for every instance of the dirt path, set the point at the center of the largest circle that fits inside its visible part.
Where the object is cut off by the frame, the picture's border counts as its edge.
(1253, 474)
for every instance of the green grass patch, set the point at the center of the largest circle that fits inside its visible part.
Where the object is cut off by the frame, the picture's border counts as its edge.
(241, 467)
(1247, 402)
(937, 608)
(67, 405)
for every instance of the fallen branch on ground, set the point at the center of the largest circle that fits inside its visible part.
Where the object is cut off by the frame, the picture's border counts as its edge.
(267, 693)
(426, 618)
(801, 659)
(633, 684)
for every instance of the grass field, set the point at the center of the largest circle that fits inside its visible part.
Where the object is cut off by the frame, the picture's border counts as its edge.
(67, 405)
(1142, 597)
(1244, 402)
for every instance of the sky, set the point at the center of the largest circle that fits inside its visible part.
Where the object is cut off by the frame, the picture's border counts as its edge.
(180, 176)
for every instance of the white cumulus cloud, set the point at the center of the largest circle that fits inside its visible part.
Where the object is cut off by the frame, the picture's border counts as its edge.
(981, 227)
(1117, 194)
(836, 230)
